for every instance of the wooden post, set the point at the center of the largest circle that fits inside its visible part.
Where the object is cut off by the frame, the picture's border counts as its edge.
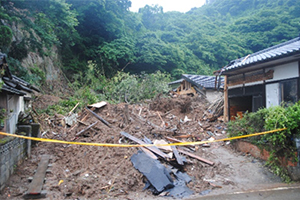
(225, 100)
(126, 114)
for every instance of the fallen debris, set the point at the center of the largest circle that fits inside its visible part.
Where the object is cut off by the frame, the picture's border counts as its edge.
(98, 105)
(177, 156)
(151, 148)
(153, 170)
(84, 179)
(214, 110)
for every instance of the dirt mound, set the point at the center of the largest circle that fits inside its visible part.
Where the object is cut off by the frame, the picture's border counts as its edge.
(43, 101)
(104, 172)
(184, 104)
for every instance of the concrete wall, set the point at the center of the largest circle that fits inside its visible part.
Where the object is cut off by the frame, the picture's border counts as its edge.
(12, 153)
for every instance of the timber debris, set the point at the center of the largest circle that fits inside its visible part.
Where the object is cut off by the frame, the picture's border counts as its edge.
(179, 170)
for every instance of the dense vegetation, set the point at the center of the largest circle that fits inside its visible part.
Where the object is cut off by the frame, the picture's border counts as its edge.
(105, 31)
(280, 144)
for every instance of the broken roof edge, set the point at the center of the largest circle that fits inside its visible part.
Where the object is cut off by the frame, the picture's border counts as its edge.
(216, 79)
(176, 82)
(20, 83)
(284, 50)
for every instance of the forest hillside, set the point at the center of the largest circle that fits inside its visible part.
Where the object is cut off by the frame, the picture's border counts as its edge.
(101, 38)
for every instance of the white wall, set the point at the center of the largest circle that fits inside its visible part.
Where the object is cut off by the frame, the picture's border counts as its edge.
(15, 104)
(286, 71)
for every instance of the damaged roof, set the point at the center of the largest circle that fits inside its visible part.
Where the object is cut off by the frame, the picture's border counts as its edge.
(12, 83)
(283, 50)
(208, 82)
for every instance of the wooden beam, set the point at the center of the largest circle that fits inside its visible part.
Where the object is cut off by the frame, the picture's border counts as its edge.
(225, 111)
(35, 187)
(196, 157)
(100, 118)
(253, 78)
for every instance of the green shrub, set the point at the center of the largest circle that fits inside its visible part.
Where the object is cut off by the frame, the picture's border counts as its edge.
(5, 36)
(38, 76)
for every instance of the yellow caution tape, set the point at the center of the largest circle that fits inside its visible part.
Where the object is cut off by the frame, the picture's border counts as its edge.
(60, 182)
(138, 145)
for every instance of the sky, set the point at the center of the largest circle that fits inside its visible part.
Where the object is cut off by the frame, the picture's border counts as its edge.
(168, 5)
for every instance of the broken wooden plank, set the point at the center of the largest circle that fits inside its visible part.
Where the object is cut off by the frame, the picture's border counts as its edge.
(151, 148)
(196, 157)
(100, 118)
(87, 128)
(73, 109)
(83, 123)
(177, 156)
(159, 142)
(35, 187)
(162, 121)
(149, 153)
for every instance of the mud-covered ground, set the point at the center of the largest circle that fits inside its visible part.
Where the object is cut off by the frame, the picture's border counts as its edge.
(89, 172)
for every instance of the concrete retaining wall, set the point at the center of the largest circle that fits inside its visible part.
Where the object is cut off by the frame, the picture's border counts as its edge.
(14, 150)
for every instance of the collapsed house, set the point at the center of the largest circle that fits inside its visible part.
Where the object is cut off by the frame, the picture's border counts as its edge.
(203, 85)
(262, 79)
(15, 96)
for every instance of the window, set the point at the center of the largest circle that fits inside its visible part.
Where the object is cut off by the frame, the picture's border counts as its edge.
(288, 90)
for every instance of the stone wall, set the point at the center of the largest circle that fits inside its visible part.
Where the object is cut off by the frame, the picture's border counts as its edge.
(12, 153)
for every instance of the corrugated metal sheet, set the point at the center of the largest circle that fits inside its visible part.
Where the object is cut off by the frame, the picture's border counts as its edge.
(278, 51)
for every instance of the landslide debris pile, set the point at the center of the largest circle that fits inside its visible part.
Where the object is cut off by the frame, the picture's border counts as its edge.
(107, 172)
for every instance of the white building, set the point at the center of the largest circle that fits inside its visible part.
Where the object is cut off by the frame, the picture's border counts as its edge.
(263, 79)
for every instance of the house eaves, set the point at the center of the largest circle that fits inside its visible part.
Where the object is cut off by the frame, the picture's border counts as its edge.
(281, 53)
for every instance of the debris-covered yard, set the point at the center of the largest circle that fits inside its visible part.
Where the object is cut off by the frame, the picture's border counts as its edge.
(91, 172)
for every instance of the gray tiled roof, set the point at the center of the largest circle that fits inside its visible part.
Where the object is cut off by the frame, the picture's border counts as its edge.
(12, 90)
(207, 82)
(285, 49)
